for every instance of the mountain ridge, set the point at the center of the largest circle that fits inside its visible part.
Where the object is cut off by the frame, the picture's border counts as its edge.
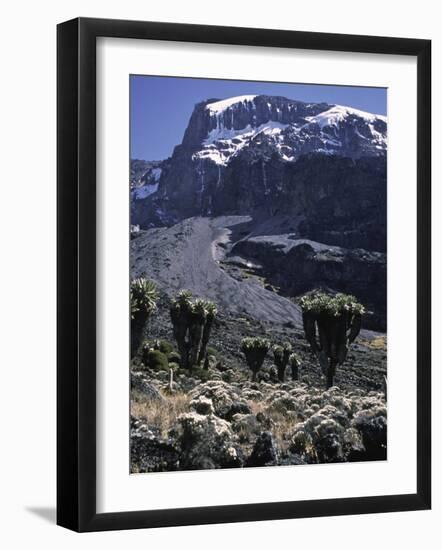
(256, 135)
(315, 173)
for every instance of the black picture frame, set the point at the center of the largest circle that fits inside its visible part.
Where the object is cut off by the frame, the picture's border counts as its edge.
(76, 273)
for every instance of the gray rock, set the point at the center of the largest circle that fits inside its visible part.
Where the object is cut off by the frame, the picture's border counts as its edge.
(139, 383)
(149, 452)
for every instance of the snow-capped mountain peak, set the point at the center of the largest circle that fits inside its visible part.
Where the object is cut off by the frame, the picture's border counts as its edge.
(220, 106)
(339, 113)
(219, 130)
(251, 151)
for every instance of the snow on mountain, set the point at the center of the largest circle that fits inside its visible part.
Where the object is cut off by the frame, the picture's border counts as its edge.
(221, 106)
(156, 173)
(144, 178)
(288, 127)
(223, 143)
(144, 191)
(248, 152)
(340, 113)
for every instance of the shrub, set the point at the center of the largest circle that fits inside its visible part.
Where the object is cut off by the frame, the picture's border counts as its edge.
(337, 320)
(255, 351)
(174, 357)
(156, 360)
(143, 297)
(212, 351)
(202, 374)
(164, 346)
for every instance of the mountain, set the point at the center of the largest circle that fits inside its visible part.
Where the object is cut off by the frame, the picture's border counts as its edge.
(263, 125)
(308, 178)
(241, 155)
(144, 178)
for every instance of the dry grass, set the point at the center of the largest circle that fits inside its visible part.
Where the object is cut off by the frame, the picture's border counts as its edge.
(162, 415)
(283, 429)
(256, 407)
(283, 425)
(380, 342)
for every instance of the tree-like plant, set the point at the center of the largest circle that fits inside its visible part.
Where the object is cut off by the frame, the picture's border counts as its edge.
(255, 351)
(143, 298)
(281, 356)
(331, 324)
(192, 321)
(210, 317)
(294, 362)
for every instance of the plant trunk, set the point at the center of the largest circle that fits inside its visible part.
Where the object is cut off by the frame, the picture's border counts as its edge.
(355, 327)
(331, 373)
(205, 339)
(281, 372)
(195, 335)
(295, 373)
(309, 323)
(183, 350)
(206, 363)
(137, 329)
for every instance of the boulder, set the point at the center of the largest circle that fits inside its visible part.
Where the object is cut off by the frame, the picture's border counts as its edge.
(149, 452)
(140, 383)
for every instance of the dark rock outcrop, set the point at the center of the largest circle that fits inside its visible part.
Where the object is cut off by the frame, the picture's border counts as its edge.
(264, 451)
(140, 383)
(297, 266)
(245, 154)
(150, 452)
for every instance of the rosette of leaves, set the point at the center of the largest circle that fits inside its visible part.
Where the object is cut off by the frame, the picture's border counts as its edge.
(281, 356)
(331, 324)
(192, 321)
(143, 298)
(255, 351)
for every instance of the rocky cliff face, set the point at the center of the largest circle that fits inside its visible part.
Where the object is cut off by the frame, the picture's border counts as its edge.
(299, 171)
(262, 153)
(144, 178)
(291, 265)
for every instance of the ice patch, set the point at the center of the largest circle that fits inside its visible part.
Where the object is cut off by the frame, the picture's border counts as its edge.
(156, 173)
(145, 190)
(220, 106)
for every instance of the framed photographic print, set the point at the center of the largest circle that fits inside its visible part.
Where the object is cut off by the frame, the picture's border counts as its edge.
(243, 274)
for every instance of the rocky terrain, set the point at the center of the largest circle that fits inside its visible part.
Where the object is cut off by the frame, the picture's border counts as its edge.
(220, 419)
(248, 270)
(265, 199)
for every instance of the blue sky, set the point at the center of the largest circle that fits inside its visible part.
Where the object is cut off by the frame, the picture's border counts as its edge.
(160, 107)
